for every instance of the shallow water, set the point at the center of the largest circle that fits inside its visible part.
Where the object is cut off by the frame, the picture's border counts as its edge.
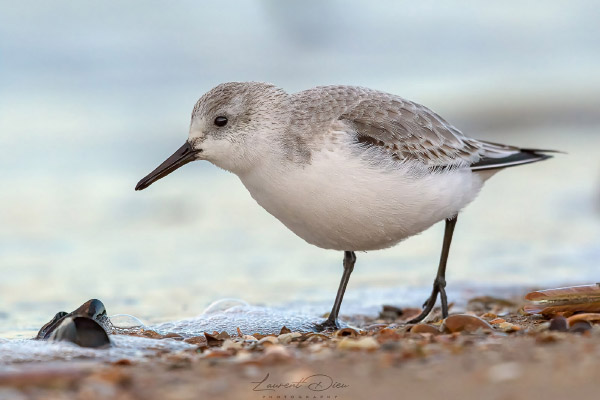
(226, 315)
(130, 347)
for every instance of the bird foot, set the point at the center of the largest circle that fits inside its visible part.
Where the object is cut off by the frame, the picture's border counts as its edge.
(329, 325)
(439, 287)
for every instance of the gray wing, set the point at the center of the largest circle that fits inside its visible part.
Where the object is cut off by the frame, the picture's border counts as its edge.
(410, 131)
(406, 130)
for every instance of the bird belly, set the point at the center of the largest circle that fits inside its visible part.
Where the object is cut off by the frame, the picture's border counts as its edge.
(343, 202)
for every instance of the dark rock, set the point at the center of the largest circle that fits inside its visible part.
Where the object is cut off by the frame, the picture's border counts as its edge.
(82, 331)
(580, 327)
(86, 326)
(559, 324)
(390, 312)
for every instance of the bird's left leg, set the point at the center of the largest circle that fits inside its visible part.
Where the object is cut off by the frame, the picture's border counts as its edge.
(331, 323)
(439, 284)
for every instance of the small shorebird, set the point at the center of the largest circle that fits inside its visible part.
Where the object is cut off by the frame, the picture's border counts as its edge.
(343, 167)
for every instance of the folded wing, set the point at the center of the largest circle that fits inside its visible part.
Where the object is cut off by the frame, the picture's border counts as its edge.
(410, 131)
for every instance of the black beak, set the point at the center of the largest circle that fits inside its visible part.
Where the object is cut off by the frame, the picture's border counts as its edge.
(184, 155)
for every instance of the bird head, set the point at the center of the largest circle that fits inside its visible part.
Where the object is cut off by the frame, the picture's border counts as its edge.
(231, 126)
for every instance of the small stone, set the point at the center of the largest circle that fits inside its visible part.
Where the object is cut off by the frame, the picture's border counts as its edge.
(465, 323)
(349, 332)
(489, 315)
(197, 340)
(559, 324)
(83, 331)
(286, 338)
(223, 335)
(268, 340)
(212, 340)
(390, 312)
(425, 328)
(312, 337)
(367, 343)
(589, 317)
(508, 327)
(284, 330)
(375, 327)
(230, 344)
(580, 327)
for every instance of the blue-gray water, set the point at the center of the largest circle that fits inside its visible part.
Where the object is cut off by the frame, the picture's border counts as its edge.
(95, 96)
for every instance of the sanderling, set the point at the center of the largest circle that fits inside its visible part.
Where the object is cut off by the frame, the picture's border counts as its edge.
(345, 168)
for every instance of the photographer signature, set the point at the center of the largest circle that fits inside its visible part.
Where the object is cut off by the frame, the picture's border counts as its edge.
(315, 383)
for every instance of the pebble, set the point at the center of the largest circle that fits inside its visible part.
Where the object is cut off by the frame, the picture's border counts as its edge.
(269, 340)
(508, 327)
(349, 332)
(580, 327)
(390, 312)
(286, 338)
(364, 343)
(465, 323)
(589, 317)
(425, 328)
(489, 315)
(230, 344)
(559, 324)
(212, 340)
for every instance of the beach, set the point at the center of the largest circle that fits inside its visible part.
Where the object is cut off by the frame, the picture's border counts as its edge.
(476, 354)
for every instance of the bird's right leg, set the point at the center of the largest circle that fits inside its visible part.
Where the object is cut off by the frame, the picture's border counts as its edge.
(331, 323)
(439, 284)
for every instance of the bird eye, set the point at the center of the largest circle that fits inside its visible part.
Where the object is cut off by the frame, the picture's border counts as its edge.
(220, 121)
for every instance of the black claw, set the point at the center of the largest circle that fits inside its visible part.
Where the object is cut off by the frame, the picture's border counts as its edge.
(427, 307)
(328, 325)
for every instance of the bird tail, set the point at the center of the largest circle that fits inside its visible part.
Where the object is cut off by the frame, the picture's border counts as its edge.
(497, 156)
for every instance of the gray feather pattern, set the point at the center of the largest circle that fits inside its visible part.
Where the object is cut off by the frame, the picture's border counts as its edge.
(409, 131)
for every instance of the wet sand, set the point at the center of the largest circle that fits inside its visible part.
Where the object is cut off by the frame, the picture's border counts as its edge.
(489, 351)
(506, 368)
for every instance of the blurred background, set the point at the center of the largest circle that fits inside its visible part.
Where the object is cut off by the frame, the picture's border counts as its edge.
(94, 96)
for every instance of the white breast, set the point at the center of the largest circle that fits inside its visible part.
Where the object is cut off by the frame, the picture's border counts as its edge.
(343, 201)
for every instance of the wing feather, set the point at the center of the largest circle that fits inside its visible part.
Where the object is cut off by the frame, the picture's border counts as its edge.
(407, 130)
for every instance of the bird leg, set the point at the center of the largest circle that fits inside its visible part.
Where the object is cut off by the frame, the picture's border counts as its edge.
(332, 323)
(439, 284)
